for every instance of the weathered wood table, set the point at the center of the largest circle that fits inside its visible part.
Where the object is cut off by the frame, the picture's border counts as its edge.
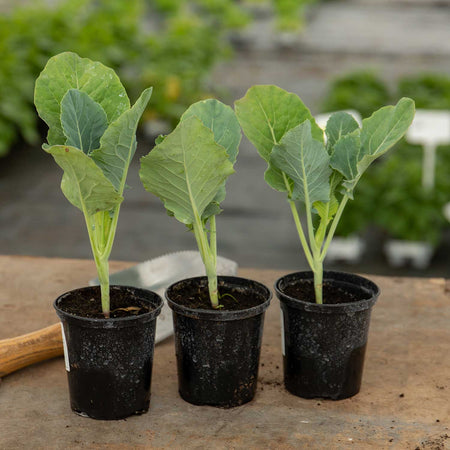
(404, 402)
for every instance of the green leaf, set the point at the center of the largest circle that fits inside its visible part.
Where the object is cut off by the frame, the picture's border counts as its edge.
(384, 129)
(346, 156)
(68, 71)
(266, 113)
(83, 120)
(326, 210)
(306, 162)
(83, 182)
(186, 170)
(221, 120)
(118, 144)
(338, 125)
(353, 154)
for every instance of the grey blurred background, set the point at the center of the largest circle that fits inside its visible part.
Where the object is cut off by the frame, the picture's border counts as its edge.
(303, 51)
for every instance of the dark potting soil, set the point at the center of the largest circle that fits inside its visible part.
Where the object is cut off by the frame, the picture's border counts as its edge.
(231, 298)
(332, 294)
(123, 304)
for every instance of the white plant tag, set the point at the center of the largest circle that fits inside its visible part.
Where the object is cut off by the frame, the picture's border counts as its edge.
(66, 353)
(283, 350)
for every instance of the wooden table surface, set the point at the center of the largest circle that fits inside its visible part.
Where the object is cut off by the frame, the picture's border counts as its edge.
(404, 401)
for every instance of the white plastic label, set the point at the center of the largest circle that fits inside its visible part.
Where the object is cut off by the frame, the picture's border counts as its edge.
(282, 333)
(429, 128)
(66, 353)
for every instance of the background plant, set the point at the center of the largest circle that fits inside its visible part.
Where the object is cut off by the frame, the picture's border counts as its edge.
(391, 193)
(169, 44)
(321, 177)
(362, 91)
(405, 210)
(187, 170)
(92, 137)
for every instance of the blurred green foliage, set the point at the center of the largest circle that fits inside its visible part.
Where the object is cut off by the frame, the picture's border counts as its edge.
(171, 45)
(391, 195)
(360, 90)
(404, 209)
(430, 91)
(290, 13)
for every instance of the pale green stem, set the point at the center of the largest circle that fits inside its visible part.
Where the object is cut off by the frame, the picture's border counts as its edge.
(101, 230)
(301, 234)
(213, 238)
(208, 261)
(103, 276)
(318, 282)
(318, 266)
(298, 223)
(334, 224)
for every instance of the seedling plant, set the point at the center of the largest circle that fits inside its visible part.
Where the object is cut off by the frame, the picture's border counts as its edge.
(92, 137)
(319, 173)
(187, 170)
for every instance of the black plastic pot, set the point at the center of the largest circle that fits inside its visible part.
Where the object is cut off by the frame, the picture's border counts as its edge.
(109, 361)
(218, 351)
(324, 345)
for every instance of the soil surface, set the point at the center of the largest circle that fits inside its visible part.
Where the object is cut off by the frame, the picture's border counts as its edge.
(231, 298)
(87, 303)
(332, 294)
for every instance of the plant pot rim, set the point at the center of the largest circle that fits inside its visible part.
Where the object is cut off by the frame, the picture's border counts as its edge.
(342, 278)
(113, 322)
(221, 315)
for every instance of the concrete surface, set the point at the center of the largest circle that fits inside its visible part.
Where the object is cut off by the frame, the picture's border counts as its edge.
(404, 402)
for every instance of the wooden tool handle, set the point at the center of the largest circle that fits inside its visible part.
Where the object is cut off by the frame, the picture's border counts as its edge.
(30, 348)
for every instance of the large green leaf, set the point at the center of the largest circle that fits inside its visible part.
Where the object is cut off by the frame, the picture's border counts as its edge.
(306, 162)
(83, 183)
(338, 125)
(118, 144)
(83, 120)
(353, 154)
(221, 120)
(266, 113)
(68, 71)
(186, 170)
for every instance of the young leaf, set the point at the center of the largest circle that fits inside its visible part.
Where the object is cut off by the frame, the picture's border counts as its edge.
(338, 125)
(68, 71)
(186, 170)
(266, 113)
(346, 156)
(221, 120)
(83, 182)
(83, 120)
(118, 144)
(353, 155)
(384, 129)
(306, 162)
(326, 210)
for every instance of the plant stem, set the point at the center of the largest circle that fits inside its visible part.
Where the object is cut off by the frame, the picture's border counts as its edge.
(213, 238)
(103, 276)
(298, 223)
(301, 234)
(318, 282)
(101, 229)
(334, 224)
(209, 259)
